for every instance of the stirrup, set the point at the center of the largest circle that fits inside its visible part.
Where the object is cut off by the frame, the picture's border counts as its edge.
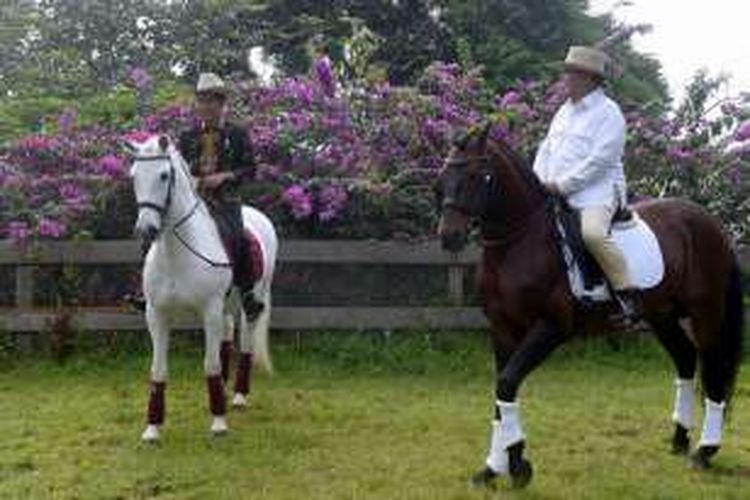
(136, 301)
(629, 314)
(598, 293)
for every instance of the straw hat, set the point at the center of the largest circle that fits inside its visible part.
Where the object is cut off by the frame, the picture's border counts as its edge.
(587, 59)
(210, 83)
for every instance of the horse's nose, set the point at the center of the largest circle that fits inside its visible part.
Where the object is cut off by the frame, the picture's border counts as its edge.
(146, 233)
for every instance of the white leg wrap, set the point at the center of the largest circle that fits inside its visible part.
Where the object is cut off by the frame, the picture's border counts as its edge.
(713, 421)
(497, 458)
(684, 403)
(505, 433)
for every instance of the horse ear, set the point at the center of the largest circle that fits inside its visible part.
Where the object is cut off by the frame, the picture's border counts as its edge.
(128, 146)
(461, 138)
(163, 142)
(484, 132)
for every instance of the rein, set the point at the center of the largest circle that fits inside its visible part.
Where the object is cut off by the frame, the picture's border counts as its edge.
(192, 250)
(514, 231)
(164, 208)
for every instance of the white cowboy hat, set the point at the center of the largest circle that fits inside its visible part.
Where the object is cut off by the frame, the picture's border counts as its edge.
(587, 59)
(210, 83)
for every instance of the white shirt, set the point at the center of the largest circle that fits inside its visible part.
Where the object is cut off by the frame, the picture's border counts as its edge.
(583, 150)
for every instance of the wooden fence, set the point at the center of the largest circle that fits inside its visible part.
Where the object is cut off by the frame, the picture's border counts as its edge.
(24, 317)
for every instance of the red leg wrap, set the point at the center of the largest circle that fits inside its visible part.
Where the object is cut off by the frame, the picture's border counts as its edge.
(244, 372)
(156, 403)
(216, 400)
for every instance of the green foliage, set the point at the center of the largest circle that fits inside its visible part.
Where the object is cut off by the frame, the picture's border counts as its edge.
(85, 47)
(115, 108)
(16, 17)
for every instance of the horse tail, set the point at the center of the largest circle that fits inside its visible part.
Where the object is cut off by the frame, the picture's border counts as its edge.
(265, 231)
(732, 327)
(261, 354)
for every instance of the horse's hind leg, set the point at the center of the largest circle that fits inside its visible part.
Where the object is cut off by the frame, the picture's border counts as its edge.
(719, 351)
(253, 348)
(244, 365)
(159, 330)
(227, 346)
(680, 348)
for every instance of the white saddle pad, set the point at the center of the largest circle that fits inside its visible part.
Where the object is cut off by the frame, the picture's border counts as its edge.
(643, 257)
(642, 252)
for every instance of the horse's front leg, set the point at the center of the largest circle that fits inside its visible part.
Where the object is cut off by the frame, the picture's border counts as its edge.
(213, 325)
(505, 456)
(158, 328)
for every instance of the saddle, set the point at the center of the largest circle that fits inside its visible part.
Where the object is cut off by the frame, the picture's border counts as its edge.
(570, 236)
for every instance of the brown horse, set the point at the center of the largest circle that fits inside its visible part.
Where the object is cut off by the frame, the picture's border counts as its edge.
(527, 297)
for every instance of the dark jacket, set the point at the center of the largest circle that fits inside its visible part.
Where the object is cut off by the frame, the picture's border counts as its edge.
(235, 153)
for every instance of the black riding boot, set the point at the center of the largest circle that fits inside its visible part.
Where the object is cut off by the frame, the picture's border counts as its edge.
(244, 280)
(230, 220)
(138, 300)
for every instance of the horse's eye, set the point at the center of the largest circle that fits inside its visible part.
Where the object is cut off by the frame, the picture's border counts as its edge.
(164, 176)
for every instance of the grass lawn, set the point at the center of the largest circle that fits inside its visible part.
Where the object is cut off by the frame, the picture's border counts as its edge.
(354, 416)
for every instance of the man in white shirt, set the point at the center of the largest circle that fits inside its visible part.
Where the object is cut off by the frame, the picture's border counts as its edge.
(581, 159)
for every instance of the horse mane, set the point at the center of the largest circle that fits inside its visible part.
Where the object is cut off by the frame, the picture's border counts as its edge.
(515, 160)
(521, 165)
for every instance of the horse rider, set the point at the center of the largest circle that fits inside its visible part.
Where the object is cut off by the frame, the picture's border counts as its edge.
(220, 157)
(580, 159)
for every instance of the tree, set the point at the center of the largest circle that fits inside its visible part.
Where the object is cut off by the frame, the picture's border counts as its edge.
(412, 36)
(214, 36)
(527, 39)
(16, 18)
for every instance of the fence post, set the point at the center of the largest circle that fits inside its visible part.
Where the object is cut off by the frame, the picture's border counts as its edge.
(24, 299)
(456, 282)
(24, 286)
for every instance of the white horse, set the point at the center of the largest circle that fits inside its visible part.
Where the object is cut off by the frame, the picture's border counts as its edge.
(187, 270)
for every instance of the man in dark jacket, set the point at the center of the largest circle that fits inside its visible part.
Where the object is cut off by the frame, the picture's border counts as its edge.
(221, 158)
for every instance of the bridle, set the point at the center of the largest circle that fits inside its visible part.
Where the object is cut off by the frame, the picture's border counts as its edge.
(449, 202)
(163, 209)
(481, 164)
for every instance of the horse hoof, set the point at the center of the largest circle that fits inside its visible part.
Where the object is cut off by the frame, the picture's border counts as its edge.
(519, 468)
(701, 458)
(219, 426)
(151, 434)
(521, 474)
(239, 401)
(680, 441)
(485, 478)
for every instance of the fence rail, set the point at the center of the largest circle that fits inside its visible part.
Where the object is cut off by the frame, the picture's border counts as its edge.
(23, 317)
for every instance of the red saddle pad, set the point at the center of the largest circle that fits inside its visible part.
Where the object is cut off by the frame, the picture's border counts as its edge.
(255, 253)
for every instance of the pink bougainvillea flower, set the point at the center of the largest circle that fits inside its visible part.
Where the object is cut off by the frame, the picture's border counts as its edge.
(743, 132)
(299, 201)
(50, 228)
(137, 136)
(18, 231)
